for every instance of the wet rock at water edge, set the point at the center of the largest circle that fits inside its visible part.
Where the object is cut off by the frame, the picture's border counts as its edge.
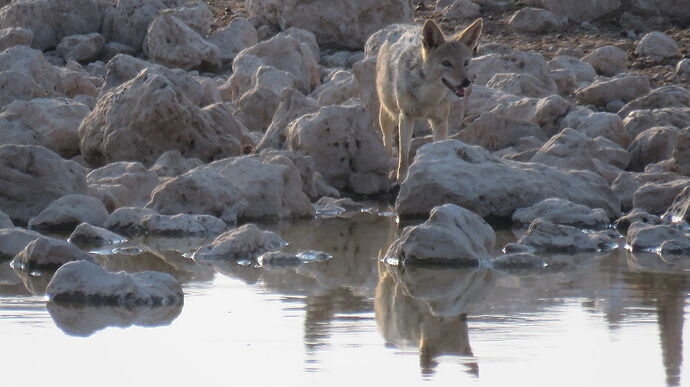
(452, 235)
(245, 243)
(453, 172)
(88, 283)
(48, 253)
(634, 216)
(645, 237)
(565, 212)
(547, 236)
(518, 262)
(88, 235)
(680, 208)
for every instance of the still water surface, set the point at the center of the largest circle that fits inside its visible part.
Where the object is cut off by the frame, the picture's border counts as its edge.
(612, 320)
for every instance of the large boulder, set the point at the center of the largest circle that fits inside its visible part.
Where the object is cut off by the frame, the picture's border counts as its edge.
(87, 283)
(52, 20)
(81, 48)
(344, 146)
(607, 60)
(69, 211)
(534, 20)
(127, 22)
(50, 122)
(494, 132)
(597, 124)
(453, 172)
(147, 116)
(663, 97)
(451, 235)
(624, 87)
(287, 52)
(651, 146)
(638, 121)
(48, 253)
(345, 24)
(258, 186)
(657, 45)
(26, 74)
(122, 184)
(172, 43)
(233, 38)
(15, 36)
(32, 177)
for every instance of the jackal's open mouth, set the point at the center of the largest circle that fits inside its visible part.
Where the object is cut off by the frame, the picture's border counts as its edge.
(457, 90)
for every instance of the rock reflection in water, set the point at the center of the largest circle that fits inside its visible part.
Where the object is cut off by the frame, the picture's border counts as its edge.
(427, 307)
(35, 281)
(85, 320)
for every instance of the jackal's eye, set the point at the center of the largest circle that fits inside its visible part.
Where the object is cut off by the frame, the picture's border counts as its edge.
(447, 63)
(467, 63)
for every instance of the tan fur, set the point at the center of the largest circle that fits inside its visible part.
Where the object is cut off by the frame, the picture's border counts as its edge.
(409, 73)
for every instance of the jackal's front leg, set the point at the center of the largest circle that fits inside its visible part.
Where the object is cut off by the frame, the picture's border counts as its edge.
(405, 126)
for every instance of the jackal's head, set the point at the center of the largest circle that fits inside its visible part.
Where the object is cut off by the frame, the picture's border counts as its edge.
(448, 58)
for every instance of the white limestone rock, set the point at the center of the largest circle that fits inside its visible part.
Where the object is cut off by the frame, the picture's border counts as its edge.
(172, 164)
(564, 212)
(244, 243)
(344, 24)
(451, 235)
(15, 36)
(87, 283)
(49, 122)
(625, 87)
(81, 48)
(144, 117)
(182, 224)
(453, 172)
(52, 20)
(521, 84)
(345, 148)
(233, 38)
(251, 187)
(546, 236)
(89, 235)
(122, 184)
(651, 146)
(607, 60)
(597, 124)
(638, 121)
(657, 45)
(534, 20)
(172, 43)
(48, 253)
(288, 53)
(33, 177)
(646, 237)
(128, 21)
(68, 212)
(584, 72)
(668, 96)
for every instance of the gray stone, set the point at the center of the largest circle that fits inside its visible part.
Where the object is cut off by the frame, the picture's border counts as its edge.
(651, 146)
(14, 36)
(607, 60)
(48, 253)
(564, 212)
(82, 48)
(547, 236)
(89, 235)
(534, 20)
(657, 44)
(656, 198)
(88, 283)
(451, 235)
(243, 243)
(624, 87)
(67, 212)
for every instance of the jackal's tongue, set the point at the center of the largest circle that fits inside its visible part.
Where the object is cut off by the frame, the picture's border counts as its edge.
(457, 90)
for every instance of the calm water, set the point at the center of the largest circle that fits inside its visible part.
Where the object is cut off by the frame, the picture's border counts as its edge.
(614, 320)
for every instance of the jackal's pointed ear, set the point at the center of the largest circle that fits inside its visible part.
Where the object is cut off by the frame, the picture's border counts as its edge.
(470, 35)
(432, 36)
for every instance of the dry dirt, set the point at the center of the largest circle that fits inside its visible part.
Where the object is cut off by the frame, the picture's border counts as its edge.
(608, 32)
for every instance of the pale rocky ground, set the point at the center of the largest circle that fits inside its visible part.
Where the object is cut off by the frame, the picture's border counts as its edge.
(181, 119)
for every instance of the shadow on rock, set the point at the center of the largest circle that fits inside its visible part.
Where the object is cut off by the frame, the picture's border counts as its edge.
(85, 320)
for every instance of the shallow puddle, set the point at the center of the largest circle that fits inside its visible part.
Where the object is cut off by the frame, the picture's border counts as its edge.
(607, 320)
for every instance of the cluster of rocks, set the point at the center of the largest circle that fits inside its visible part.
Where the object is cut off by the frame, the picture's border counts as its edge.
(132, 117)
